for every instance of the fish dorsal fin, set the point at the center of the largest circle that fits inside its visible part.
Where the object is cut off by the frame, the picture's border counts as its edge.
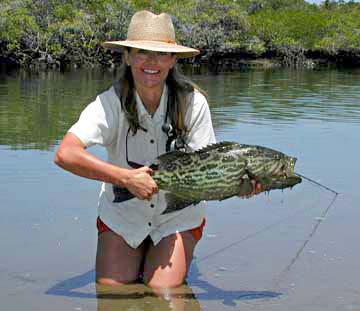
(221, 147)
(170, 157)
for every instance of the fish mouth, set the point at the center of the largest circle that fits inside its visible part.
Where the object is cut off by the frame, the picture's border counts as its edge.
(282, 183)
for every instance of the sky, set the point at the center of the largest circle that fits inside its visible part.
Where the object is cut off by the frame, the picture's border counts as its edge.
(320, 1)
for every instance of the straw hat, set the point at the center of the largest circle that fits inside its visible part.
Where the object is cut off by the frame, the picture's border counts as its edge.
(152, 32)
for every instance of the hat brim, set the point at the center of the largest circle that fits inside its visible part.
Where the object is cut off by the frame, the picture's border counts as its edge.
(157, 46)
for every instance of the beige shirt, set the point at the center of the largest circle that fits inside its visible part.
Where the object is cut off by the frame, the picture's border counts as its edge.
(103, 122)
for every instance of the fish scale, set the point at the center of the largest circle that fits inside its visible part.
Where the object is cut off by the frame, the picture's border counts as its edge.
(219, 171)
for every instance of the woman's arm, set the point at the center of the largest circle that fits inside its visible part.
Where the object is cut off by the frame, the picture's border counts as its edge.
(73, 157)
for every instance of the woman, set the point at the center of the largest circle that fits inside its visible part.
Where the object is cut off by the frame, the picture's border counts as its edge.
(151, 108)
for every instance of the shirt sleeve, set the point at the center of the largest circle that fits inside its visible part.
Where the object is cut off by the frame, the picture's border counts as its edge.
(98, 121)
(198, 122)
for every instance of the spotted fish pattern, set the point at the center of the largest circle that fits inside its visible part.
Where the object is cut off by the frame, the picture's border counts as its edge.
(220, 170)
(217, 172)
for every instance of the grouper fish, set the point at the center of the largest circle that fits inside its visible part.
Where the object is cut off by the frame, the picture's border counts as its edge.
(217, 172)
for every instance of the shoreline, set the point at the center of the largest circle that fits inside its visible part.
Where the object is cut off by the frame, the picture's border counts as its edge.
(227, 59)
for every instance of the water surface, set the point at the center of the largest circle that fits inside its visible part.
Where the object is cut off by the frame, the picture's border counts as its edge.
(286, 250)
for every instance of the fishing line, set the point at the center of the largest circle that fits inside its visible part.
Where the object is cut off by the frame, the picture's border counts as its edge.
(301, 249)
(313, 231)
(250, 236)
(317, 183)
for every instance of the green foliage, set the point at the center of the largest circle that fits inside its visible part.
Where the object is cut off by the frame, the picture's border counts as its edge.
(71, 31)
(281, 4)
(342, 31)
(289, 27)
(16, 25)
(310, 28)
(210, 25)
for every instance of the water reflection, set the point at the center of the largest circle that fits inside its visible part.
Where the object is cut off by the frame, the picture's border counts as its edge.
(141, 297)
(284, 96)
(37, 109)
(128, 297)
(311, 115)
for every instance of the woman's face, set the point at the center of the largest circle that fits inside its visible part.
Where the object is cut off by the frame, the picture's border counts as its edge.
(149, 68)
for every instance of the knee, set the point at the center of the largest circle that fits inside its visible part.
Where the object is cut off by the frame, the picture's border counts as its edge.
(159, 283)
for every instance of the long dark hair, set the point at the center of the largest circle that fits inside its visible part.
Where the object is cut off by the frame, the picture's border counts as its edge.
(180, 90)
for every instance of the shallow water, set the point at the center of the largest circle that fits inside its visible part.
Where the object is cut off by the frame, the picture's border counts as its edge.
(286, 250)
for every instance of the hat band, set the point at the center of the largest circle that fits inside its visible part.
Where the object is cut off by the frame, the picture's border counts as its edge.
(170, 41)
(162, 41)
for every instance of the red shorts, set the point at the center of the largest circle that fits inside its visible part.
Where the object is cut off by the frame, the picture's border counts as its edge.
(196, 232)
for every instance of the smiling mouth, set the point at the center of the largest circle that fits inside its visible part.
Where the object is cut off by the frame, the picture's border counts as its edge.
(150, 71)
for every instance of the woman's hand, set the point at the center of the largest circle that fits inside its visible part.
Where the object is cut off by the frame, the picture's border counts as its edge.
(140, 183)
(72, 156)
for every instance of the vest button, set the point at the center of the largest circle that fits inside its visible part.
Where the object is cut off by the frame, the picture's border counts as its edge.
(152, 205)
(149, 224)
(152, 141)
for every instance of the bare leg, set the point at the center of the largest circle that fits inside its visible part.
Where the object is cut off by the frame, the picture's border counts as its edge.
(167, 263)
(116, 262)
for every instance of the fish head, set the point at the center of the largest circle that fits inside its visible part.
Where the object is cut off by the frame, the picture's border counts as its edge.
(288, 166)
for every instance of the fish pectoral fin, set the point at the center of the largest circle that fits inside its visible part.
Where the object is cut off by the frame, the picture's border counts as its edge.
(175, 203)
(246, 188)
